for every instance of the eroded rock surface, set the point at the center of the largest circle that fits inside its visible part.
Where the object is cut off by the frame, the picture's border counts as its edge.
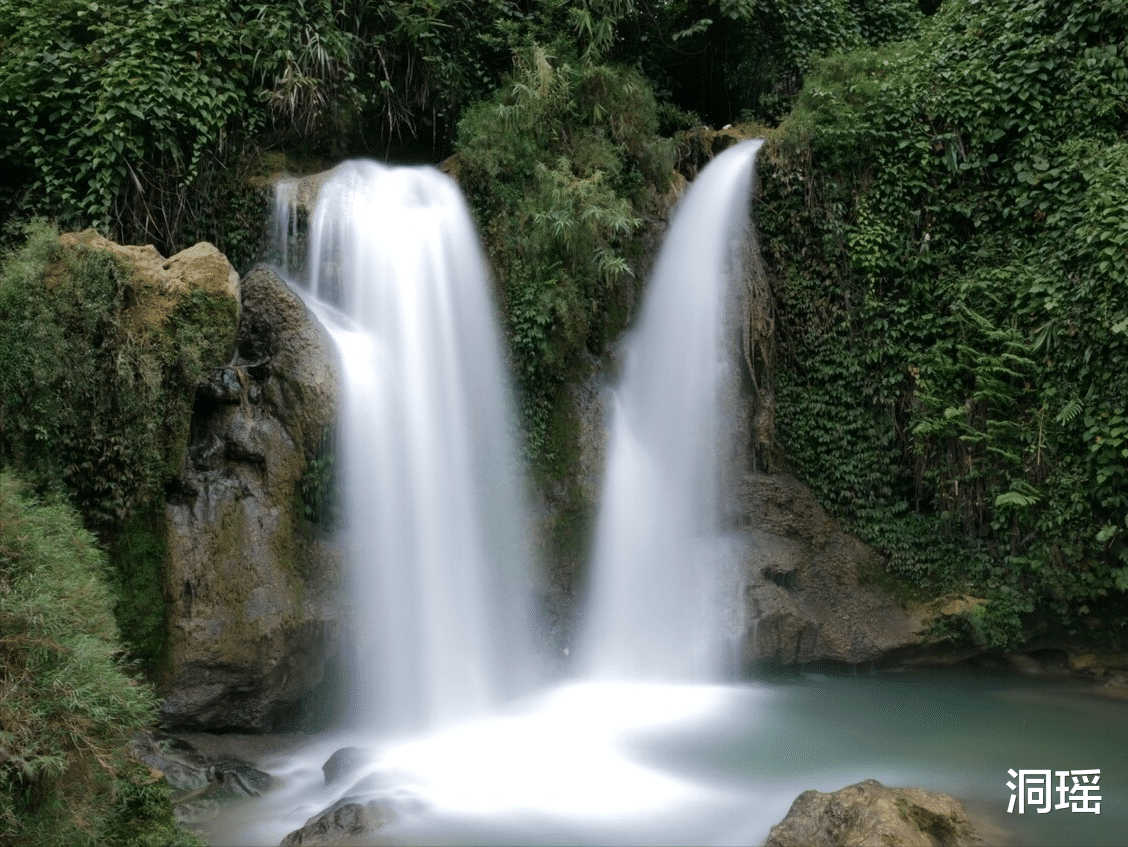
(345, 822)
(868, 814)
(202, 783)
(807, 596)
(254, 615)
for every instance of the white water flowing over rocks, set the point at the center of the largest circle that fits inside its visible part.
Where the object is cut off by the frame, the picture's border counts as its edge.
(434, 511)
(576, 763)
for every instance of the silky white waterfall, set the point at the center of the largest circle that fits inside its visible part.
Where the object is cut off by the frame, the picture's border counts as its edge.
(659, 604)
(434, 516)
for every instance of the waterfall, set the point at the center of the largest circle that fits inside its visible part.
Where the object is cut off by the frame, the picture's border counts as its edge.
(660, 603)
(434, 515)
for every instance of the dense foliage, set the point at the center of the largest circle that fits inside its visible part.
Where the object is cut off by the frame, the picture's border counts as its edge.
(561, 165)
(96, 402)
(67, 707)
(729, 60)
(947, 227)
(145, 118)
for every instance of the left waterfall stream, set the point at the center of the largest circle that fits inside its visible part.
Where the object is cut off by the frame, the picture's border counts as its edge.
(433, 513)
(433, 508)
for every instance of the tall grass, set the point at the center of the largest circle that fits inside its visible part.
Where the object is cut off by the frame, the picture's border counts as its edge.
(68, 707)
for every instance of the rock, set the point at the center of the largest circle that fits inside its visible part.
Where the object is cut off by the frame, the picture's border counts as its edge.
(697, 147)
(342, 763)
(806, 596)
(254, 613)
(343, 822)
(159, 283)
(201, 784)
(868, 814)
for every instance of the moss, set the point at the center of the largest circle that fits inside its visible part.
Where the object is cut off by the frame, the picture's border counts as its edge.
(138, 555)
(98, 407)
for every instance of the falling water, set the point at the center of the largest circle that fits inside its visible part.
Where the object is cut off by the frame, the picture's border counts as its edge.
(434, 514)
(657, 604)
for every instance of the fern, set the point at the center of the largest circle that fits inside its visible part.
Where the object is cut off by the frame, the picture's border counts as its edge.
(1069, 412)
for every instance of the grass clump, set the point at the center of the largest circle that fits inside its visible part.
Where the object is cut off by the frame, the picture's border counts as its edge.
(67, 705)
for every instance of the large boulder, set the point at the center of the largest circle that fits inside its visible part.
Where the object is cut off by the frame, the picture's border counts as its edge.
(809, 592)
(252, 584)
(868, 814)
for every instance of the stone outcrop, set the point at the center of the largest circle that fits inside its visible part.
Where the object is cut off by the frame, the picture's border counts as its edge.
(868, 814)
(202, 783)
(159, 284)
(345, 822)
(253, 616)
(807, 596)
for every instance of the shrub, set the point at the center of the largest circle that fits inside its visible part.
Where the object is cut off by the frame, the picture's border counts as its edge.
(560, 166)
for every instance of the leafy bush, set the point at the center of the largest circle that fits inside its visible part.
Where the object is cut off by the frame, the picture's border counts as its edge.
(67, 707)
(947, 237)
(560, 167)
(97, 95)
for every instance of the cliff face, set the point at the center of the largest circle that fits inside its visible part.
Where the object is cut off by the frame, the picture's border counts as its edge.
(251, 581)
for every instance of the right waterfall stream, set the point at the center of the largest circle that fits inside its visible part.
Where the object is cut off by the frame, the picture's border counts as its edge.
(662, 593)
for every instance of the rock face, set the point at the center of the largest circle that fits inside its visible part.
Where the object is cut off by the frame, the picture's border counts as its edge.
(345, 822)
(868, 814)
(253, 616)
(161, 283)
(806, 596)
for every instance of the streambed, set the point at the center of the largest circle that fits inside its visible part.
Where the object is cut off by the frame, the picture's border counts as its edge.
(592, 763)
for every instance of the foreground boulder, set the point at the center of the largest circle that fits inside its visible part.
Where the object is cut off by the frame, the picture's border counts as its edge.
(868, 813)
(202, 784)
(344, 822)
(251, 575)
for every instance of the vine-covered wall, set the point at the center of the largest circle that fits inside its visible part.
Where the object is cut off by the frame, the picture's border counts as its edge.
(945, 224)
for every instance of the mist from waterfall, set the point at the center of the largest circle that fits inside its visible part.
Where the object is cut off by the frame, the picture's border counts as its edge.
(661, 600)
(434, 511)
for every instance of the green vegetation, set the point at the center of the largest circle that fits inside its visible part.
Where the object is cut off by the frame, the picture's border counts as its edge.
(319, 486)
(942, 219)
(96, 400)
(560, 165)
(946, 226)
(67, 706)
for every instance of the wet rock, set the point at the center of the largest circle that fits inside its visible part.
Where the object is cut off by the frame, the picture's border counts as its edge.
(342, 763)
(342, 823)
(201, 784)
(807, 599)
(254, 616)
(868, 813)
(222, 385)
